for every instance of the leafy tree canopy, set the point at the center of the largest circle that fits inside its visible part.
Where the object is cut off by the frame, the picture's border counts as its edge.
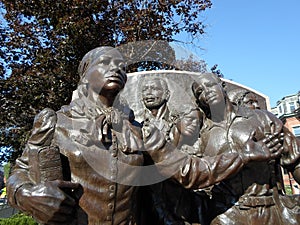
(42, 42)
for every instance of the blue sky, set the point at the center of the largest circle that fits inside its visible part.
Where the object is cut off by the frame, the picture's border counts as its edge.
(255, 43)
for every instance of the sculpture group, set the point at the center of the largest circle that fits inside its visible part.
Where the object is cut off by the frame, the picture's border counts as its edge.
(213, 160)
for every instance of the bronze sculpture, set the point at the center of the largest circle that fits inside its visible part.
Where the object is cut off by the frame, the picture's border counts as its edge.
(243, 97)
(169, 202)
(96, 135)
(180, 127)
(254, 195)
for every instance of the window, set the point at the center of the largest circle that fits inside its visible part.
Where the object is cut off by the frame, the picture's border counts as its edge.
(296, 131)
(292, 106)
(280, 109)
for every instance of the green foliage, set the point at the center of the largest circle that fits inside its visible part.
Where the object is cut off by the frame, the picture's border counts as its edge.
(6, 170)
(43, 41)
(288, 190)
(18, 219)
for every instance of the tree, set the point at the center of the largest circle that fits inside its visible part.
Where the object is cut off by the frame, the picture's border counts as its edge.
(191, 64)
(43, 42)
(217, 71)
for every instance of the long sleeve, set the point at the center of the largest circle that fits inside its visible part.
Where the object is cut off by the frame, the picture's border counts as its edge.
(41, 136)
(193, 172)
(290, 157)
(18, 178)
(291, 154)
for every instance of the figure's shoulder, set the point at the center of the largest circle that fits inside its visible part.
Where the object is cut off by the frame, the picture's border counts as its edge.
(265, 119)
(260, 114)
(46, 112)
(46, 117)
(136, 127)
(43, 127)
(76, 109)
(267, 115)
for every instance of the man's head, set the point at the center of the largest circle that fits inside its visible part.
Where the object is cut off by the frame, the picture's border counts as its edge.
(250, 101)
(103, 69)
(154, 92)
(209, 90)
(211, 96)
(244, 98)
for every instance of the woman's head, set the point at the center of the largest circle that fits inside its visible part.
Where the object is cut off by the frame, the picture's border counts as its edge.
(103, 69)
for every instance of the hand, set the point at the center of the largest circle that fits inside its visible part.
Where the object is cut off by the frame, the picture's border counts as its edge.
(116, 120)
(153, 138)
(269, 148)
(48, 203)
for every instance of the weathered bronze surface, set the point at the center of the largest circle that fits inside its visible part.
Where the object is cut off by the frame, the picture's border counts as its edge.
(146, 152)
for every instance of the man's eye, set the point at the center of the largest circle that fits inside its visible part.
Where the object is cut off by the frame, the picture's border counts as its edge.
(122, 66)
(104, 60)
(199, 91)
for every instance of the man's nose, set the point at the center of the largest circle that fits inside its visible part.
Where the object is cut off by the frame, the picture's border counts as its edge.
(148, 91)
(114, 66)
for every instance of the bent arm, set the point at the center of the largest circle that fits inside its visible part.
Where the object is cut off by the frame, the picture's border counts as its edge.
(194, 172)
(41, 136)
(191, 172)
(18, 178)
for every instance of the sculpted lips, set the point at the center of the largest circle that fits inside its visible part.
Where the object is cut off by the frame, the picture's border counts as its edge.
(149, 99)
(115, 77)
(210, 98)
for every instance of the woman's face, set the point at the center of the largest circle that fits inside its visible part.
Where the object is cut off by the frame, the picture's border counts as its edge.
(108, 74)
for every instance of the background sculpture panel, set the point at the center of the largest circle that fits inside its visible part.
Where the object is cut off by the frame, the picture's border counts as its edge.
(179, 83)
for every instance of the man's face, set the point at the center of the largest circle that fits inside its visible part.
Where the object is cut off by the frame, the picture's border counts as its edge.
(153, 94)
(210, 91)
(250, 101)
(108, 74)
